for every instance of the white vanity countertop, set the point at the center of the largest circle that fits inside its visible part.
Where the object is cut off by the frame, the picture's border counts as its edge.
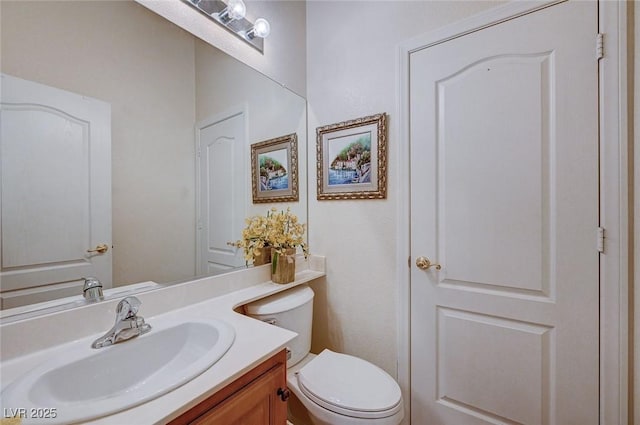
(255, 341)
(78, 300)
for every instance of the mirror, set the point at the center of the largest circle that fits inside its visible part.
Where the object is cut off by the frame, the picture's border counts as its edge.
(161, 82)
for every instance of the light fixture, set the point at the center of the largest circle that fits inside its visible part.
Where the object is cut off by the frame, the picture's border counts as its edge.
(235, 10)
(231, 16)
(260, 29)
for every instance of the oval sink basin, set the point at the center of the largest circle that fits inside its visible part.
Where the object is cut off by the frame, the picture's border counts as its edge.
(82, 383)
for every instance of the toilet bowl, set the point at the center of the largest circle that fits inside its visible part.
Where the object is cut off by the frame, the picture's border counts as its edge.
(334, 388)
(340, 389)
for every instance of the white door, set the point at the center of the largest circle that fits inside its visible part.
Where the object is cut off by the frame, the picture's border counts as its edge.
(222, 193)
(504, 195)
(55, 150)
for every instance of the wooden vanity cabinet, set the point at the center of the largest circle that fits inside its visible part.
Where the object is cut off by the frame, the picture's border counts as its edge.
(256, 398)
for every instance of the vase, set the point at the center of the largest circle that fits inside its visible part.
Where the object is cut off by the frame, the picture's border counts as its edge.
(283, 266)
(263, 256)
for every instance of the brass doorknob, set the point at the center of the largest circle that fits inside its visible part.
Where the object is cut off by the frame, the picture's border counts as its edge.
(424, 263)
(100, 249)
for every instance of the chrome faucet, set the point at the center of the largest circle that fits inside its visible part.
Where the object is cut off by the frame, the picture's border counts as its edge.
(127, 326)
(92, 289)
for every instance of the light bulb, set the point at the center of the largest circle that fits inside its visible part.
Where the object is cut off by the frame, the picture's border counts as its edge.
(237, 9)
(260, 29)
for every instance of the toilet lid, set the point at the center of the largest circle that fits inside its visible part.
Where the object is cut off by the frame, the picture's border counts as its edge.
(350, 386)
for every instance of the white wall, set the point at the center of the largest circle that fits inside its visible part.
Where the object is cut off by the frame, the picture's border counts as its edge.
(284, 49)
(352, 61)
(121, 53)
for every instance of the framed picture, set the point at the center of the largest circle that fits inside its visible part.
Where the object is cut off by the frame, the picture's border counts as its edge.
(274, 170)
(352, 159)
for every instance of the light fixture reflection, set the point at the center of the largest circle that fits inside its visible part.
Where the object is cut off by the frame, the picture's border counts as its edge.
(235, 10)
(260, 29)
(230, 14)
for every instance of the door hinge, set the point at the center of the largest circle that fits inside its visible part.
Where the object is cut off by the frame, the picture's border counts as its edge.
(599, 46)
(198, 153)
(409, 262)
(600, 233)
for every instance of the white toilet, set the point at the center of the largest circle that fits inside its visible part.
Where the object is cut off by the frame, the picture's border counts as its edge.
(335, 389)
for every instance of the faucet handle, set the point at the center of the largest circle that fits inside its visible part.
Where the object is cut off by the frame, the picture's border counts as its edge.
(127, 308)
(92, 289)
(91, 282)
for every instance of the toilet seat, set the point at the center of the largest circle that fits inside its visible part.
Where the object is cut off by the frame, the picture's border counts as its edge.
(349, 386)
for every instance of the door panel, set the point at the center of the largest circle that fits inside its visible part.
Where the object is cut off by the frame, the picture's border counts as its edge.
(517, 227)
(504, 195)
(56, 157)
(28, 194)
(496, 366)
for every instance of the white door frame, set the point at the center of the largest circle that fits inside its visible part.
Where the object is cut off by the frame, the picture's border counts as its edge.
(614, 208)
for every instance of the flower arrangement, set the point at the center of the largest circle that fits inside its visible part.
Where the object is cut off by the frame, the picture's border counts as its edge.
(253, 237)
(278, 230)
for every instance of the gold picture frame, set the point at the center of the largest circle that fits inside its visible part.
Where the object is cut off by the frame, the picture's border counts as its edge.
(274, 170)
(352, 159)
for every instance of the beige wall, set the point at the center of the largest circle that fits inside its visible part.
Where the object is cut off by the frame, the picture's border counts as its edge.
(143, 66)
(272, 111)
(352, 60)
(284, 57)
(634, 80)
(352, 73)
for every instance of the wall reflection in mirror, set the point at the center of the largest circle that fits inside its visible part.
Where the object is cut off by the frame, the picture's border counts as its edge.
(156, 165)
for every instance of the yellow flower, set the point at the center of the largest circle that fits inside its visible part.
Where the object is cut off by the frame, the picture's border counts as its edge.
(280, 230)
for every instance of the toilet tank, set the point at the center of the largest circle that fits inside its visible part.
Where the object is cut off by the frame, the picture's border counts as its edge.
(291, 309)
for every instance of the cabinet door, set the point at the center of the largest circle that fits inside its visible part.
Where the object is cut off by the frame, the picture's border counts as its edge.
(256, 404)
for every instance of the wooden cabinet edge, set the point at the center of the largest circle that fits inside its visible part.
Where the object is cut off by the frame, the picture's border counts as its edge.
(278, 360)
